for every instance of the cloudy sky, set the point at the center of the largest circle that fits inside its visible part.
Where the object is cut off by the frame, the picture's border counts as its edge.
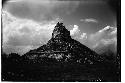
(28, 24)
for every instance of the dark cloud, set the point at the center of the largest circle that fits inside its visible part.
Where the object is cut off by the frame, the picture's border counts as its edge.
(41, 10)
(114, 5)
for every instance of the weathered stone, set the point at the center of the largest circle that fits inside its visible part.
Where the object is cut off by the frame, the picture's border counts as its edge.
(62, 46)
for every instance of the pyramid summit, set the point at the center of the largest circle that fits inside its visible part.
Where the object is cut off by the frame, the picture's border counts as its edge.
(60, 31)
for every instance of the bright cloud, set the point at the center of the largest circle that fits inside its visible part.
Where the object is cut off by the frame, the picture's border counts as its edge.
(77, 34)
(92, 20)
(107, 28)
(75, 30)
(24, 33)
(83, 36)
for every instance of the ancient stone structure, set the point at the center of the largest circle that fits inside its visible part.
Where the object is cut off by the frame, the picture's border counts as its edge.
(62, 46)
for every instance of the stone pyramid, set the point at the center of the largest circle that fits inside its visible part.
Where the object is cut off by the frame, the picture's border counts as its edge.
(62, 47)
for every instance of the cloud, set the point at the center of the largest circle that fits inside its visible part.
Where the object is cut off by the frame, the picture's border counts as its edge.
(104, 38)
(75, 30)
(91, 20)
(100, 41)
(24, 33)
(105, 33)
(41, 10)
(83, 36)
(77, 34)
(21, 35)
(106, 45)
(107, 28)
(17, 49)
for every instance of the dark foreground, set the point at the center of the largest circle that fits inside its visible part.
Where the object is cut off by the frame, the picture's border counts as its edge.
(105, 72)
